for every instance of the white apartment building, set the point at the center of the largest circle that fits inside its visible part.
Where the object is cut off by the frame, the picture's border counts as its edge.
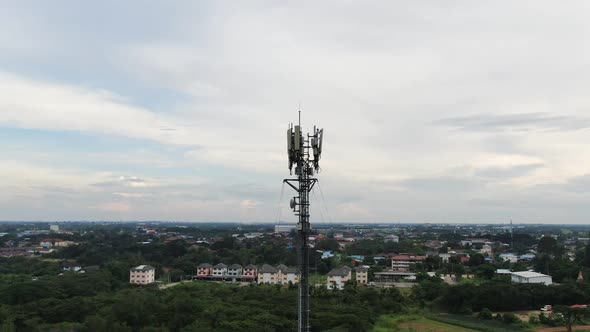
(220, 271)
(362, 275)
(234, 271)
(338, 277)
(268, 275)
(287, 275)
(142, 275)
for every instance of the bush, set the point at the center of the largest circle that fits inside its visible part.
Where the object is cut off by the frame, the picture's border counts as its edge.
(543, 318)
(486, 314)
(551, 320)
(498, 317)
(466, 311)
(534, 319)
(510, 318)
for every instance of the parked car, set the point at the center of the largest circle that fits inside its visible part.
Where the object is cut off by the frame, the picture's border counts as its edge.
(547, 307)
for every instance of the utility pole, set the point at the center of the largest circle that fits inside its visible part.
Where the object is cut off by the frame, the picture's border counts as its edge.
(304, 153)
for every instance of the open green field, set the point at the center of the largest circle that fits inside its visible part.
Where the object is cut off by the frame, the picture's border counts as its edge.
(441, 323)
(415, 323)
(476, 324)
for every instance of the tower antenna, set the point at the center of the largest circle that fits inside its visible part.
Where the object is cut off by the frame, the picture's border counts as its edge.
(304, 153)
(511, 236)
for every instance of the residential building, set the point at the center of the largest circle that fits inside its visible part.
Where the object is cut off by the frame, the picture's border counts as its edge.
(63, 244)
(142, 275)
(46, 244)
(253, 235)
(526, 257)
(234, 271)
(327, 254)
(71, 266)
(357, 258)
(219, 271)
(512, 258)
(204, 270)
(338, 277)
(287, 275)
(285, 228)
(529, 277)
(405, 262)
(54, 228)
(486, 249)
(391, 278)
(474, 242)
(16, 251)
(391, 238)
(362, 275)
(268, 274)
(249, 273)
(433, 244)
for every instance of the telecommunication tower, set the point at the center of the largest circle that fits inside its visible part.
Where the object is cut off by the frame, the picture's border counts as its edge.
(304, 152)
(511, 236)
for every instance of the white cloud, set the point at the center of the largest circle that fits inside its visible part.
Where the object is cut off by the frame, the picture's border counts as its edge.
(248, 204)
(427, 107)
(117, 207)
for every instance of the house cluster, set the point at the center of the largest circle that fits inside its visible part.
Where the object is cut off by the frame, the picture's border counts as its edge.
(57, 243)
(68, 266)
(26, 248)
(483, 246)
(459, 254)
(512, 258)
(265, 274)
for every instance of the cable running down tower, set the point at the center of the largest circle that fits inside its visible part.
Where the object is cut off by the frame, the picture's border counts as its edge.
(304, 153)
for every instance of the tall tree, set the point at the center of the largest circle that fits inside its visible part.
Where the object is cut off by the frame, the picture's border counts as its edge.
(548, 245)
(571, 315)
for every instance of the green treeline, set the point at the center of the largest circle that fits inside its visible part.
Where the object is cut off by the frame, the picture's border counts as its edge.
(496, 295)
(86, 303)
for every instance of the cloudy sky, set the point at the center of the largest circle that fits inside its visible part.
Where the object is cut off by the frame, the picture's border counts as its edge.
(434, 111)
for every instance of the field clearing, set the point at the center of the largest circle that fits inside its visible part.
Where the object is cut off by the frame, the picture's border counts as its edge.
(559, 329)
(415, 323)
(524, 314)
(476, 324)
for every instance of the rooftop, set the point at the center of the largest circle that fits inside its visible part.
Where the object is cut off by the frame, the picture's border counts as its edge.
(340, 272)
(267, 269)
(143, 268)
(530, 274)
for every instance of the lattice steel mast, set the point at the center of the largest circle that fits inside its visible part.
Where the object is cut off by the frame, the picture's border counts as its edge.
(304, 152)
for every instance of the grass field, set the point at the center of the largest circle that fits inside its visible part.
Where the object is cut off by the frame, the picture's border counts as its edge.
(441, 323)
(415, 323)
(478, 325)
